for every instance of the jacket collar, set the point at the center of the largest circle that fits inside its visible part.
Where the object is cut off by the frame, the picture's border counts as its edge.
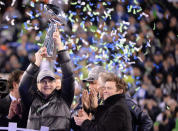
(43, 96)
(113, 99)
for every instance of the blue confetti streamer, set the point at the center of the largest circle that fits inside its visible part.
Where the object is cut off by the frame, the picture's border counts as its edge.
(78, 6)
(109, 3)
(93, 19)
(91, 4)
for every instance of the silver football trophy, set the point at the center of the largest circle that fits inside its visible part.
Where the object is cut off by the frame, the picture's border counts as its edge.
(57, 18)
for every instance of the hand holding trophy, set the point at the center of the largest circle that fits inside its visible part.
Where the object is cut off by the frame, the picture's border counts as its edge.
(57, 40)
(57, 18)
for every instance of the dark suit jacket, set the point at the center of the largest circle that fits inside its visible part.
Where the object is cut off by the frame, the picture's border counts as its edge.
(4, 111)
(114, 115)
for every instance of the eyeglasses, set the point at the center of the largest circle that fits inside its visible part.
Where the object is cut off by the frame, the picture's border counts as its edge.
(49, 81)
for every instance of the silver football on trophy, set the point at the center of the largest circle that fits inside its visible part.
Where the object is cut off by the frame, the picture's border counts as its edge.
(57, 18)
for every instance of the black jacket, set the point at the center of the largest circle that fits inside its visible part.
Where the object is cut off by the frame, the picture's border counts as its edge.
(141, 121)
(52, 112)
(114, 115)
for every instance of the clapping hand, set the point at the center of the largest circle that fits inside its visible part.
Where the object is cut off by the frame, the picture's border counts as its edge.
(93, 98)
(82, 117)
(85, 99)
(15, 109)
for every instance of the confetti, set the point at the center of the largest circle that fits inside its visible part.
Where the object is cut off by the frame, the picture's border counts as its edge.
(32, 4)
(7, 18)
(30, 14)
(154, 27)
(133, 107)
(40, 44)
(129, 8)
(137, 89)
(2, 3)
(73, 3)
(13, 2)
(135, 1)
(167, 107)
(144, 14)
(140, 59)
(12, 22)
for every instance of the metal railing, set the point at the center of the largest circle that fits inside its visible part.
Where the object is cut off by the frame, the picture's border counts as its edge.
(13, 127)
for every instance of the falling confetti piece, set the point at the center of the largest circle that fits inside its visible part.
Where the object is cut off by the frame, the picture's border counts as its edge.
(40, 44)
(137, 89)
(154, 27)
(13, 2)
(139, 10)
(73, 3)
(32, 4)
(140, 59)
(133, 106)
(135, 1)
(129, 8)
(2, 3)
(7, 18)
(12, 22)
(30, 14)
(144, 14)
(167, 107)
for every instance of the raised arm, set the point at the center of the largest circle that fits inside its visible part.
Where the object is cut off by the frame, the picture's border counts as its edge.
(28, 81)
(63, 58)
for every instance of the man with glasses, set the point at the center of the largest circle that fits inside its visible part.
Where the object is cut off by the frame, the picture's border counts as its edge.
(46, 105)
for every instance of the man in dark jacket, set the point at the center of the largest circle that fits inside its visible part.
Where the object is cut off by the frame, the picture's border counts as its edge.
(141, 121)
(10, 108)
(48, 106)
(114, 114)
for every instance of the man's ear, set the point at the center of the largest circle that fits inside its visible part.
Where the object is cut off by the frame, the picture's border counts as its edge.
(120, 91)
(15, 85)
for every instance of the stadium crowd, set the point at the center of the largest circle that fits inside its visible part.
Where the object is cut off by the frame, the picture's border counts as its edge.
(153, 77)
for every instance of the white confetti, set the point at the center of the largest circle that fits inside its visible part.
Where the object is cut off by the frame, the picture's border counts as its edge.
(13, 2)
(102, 34)
(7, 18)
(83, 3)
(36, 28)
(122, 41)
(132, 62)
(113, 32)
(2, 3)
(127, 23)
(85, 42)
(109, 11)
(138, 49)
(30, 28)
(140, 59)
(28, 22)
(144, 14)
(124, 34)
(28, 13)
(12, 22)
